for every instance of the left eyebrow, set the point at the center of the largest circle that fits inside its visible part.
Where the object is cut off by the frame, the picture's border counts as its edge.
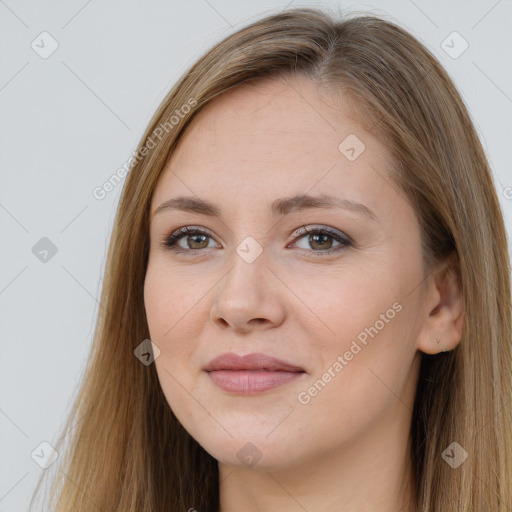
(301, 202)
(279, 207)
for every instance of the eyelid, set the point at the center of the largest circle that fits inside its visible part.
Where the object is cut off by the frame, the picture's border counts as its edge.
(169, 241)
(344, 241)
(314, 228)
(179, 233)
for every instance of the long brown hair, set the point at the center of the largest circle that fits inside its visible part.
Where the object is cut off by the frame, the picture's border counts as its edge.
(126, 451)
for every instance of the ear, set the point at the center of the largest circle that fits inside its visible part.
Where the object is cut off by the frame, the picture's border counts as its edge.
(444, 308)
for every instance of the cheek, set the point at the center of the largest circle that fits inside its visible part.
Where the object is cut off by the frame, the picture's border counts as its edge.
(163, 313)
(358, 380)
(367, 339)
(165, 301)
(354, 305)
(176, 309)
(170, 318)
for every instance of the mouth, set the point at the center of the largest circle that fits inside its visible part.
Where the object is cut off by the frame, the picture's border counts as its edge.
(252, 373)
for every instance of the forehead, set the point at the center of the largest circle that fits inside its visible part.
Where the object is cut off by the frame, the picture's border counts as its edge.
(276, 137)
(282, 117)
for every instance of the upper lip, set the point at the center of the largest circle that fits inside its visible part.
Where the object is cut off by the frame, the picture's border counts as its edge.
(256, 361)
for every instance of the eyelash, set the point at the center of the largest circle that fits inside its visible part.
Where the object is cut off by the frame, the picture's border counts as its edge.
(169, 242)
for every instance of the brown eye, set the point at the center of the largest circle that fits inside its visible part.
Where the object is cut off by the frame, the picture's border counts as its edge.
(320, 241)
(194, 240)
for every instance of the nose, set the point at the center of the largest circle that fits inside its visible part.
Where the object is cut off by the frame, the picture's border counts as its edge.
(249, 297)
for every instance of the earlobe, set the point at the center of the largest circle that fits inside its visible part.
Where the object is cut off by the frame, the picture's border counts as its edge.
(442, 329)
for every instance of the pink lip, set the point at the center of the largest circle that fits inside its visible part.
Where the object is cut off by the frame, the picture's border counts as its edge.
(252, 373)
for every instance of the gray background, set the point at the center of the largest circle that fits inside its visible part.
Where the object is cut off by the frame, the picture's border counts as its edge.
(69, 121)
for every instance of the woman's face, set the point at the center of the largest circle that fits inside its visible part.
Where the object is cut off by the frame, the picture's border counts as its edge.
(342, 303)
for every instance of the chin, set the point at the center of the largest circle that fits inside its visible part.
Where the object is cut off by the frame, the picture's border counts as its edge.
(255, 453)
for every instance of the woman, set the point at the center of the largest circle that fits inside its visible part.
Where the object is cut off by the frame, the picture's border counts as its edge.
(306, 303)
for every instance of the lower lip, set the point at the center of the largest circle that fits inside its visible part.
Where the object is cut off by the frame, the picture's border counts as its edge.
(251, 381)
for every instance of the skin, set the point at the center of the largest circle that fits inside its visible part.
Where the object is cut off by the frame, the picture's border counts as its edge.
(347, 448)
